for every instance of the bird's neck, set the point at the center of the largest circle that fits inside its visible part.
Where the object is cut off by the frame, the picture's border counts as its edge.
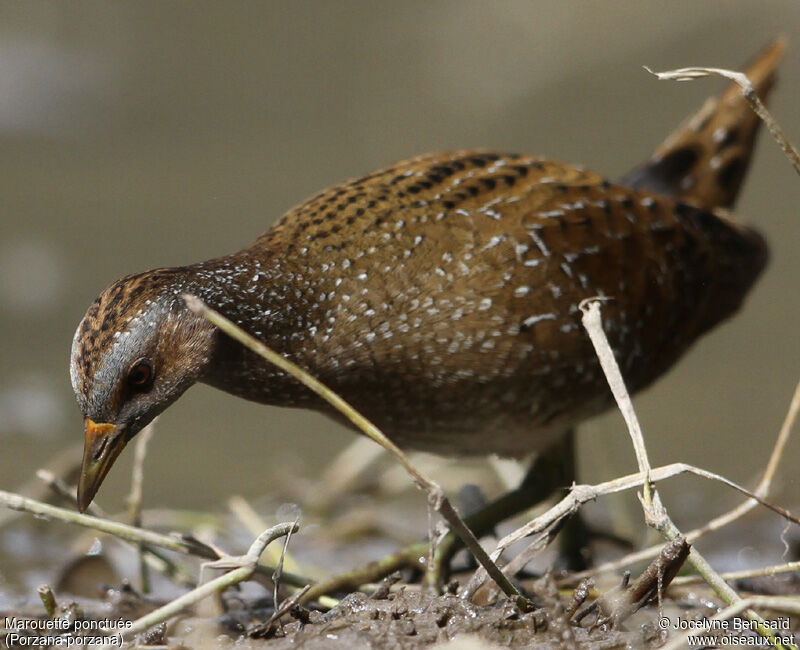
(253, 291)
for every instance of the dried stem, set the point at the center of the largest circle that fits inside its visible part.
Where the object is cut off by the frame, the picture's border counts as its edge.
(594, 327)
(281, 611)
(177, 543)
(655, 513)
(251, 520)
(749, 93)
(135, 497)
(580, 494)
(724, 519)
(48, 600)
(123, 531)
(767, 571)
(242, 568)
(154, 559)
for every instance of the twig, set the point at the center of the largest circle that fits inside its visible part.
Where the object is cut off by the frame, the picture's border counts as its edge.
(262, 629)
(276, 575)
(580, 494)
(199, 307)
(436, 496)
(780, 444)
(726, 518)
(763, 572)
(594, 327)
(251, 520)
(655, 514)
(48, 600)
(135, 497)
(242, 568)
(123, 531)
(749, 92)
(174, 542)
(155, 560)
(137, 477)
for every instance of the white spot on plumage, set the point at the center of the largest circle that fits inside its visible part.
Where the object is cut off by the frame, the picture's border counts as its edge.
(539, 243)
(494, 241)
(532, 320)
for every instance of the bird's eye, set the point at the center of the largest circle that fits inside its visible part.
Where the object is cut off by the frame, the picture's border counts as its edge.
(140, 376)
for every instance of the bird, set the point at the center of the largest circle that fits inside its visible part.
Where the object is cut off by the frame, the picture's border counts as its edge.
(439, 296)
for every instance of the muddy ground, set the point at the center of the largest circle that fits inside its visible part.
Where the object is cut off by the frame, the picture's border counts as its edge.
(95, 577)
(408, 619)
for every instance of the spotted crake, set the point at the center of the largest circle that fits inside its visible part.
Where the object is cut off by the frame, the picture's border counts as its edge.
(439, 296)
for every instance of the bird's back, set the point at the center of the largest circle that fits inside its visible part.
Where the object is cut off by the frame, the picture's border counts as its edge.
(440, 295)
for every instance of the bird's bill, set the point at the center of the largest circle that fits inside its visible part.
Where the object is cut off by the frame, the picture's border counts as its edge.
(104, 442)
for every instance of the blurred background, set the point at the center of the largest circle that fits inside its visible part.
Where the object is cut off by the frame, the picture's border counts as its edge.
(144, 134)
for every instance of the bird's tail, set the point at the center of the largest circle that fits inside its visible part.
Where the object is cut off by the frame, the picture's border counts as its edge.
(705, 160)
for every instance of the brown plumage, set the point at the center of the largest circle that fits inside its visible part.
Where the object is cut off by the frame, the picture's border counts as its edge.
(439, 296)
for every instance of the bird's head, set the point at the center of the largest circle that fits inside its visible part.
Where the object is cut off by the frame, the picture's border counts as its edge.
(135, 352)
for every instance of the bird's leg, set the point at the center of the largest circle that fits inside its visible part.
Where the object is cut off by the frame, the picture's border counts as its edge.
(575, 536)
(549, 471)
(553, 469)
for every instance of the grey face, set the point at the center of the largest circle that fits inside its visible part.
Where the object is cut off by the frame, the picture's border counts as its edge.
(110, 386)
(129, 362)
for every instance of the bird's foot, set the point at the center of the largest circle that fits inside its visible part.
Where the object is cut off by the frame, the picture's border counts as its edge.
(411, 557)
(416, 557)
